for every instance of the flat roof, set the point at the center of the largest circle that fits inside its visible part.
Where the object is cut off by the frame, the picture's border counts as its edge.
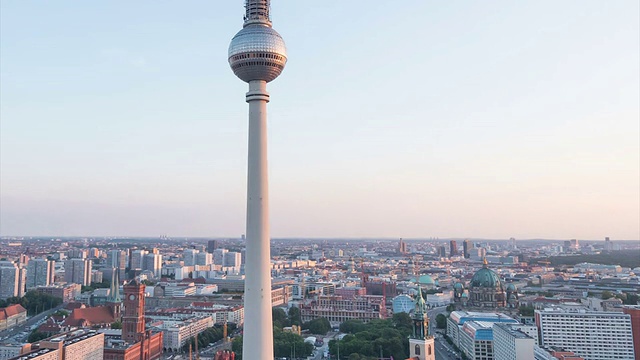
(514, 332)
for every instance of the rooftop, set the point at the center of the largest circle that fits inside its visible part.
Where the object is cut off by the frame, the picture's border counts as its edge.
(32, 354)
(513, 332)
(11, 310)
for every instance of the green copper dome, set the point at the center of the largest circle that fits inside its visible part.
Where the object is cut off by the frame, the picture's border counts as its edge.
(426, 280)
(486, 278)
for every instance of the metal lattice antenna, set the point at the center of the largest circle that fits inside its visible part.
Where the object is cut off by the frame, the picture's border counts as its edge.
(257, 12)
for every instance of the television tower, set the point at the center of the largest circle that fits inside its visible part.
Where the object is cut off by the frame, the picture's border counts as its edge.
(257, 55)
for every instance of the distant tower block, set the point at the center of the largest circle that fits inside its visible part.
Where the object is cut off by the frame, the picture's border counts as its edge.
(257, 55)
(453, 248)
(402, 247)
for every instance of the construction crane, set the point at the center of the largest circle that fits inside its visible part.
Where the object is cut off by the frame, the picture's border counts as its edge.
(224, 331)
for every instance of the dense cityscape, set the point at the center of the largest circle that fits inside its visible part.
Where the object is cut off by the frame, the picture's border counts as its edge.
(466, 127)
(163, 298)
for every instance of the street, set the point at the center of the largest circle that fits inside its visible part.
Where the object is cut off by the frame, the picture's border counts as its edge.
(443, 350)
(8, 333)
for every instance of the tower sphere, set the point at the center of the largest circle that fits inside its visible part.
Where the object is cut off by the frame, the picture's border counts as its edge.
(257, 52)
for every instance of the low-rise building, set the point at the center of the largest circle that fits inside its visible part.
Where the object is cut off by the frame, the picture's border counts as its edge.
(178, 332)
(476, 340)
(67, 292)
(12, 315)
(457, 319)
(74, 345)
(8, 351)
(510, 343)
(338, 309)
(39, 354)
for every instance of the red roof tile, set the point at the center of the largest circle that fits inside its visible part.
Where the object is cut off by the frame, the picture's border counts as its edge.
(10, 311)
(90, 316)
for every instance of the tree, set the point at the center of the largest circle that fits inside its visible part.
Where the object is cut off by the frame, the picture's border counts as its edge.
(236, 347)
(286, 342)
(319, 326)
(295, 317)
(441, 321)
(451, 308)
(116, 325)
(526, 310)
(279, 317)
(36, 336)
(61, 313)
(366, 340)
(34, 302)
(632, 299)
(352, 326)
(607, 295)
(402, 320)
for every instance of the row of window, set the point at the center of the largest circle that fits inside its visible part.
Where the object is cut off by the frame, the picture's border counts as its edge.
(258, 55)
(254, 63)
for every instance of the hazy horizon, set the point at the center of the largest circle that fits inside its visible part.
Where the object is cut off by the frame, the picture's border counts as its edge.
(422, 119)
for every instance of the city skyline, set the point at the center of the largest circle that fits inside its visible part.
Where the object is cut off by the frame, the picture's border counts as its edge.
(425, 120)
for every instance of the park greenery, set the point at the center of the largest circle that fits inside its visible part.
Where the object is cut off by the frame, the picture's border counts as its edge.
(626, 258)
(105, 284)
(37, 336)
(285, 343)
(627, 298)
(388, 337)
(526, 310)
(33, 301)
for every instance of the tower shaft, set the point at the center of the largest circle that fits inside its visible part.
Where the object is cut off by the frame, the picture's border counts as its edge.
(258, 326)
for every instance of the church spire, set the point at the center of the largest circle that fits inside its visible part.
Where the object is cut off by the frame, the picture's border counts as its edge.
(114, 289)
(420, 319)
(116, 294)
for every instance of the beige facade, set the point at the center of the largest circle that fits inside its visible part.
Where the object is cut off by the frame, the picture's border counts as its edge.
(74, 345)
(338, 309)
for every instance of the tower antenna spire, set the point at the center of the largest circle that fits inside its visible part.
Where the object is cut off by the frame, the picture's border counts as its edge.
(257, 12)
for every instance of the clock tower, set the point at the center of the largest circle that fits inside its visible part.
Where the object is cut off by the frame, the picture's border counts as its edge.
(133, 315)
(421, 343)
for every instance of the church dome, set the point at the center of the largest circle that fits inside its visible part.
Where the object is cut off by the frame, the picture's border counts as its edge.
(426, 280)
(486, 278)
(511, 288)
(458, 286)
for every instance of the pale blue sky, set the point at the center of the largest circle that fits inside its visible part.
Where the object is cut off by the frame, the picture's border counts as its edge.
(392, 119)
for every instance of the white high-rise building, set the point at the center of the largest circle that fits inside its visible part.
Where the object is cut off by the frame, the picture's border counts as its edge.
(218, 256)
(117, 259)
(232, 259)
(137, 258)
(9, 280)
(153, 262)
(592, 335)
(40, 272)
(204, 258)
(22, 280)
(78, 271)
(77, 253)
(189, 256)
(510, 343)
